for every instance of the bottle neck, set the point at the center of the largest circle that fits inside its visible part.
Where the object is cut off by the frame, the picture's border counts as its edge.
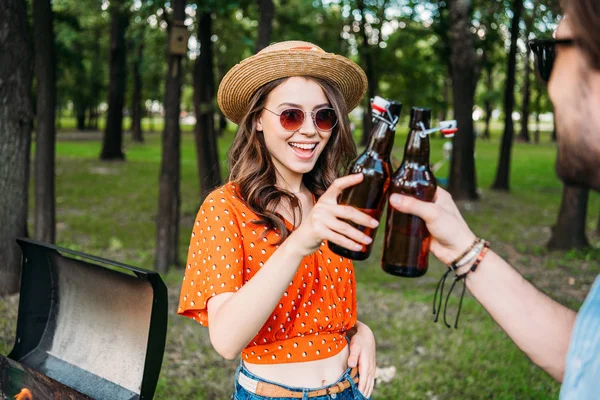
(417, 148)
(382, 139)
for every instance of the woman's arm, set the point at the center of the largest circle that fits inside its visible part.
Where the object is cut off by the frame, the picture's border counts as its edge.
(540, 326)
(235, 318)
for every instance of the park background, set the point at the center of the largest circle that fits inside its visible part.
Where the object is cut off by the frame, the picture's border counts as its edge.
(124, 129)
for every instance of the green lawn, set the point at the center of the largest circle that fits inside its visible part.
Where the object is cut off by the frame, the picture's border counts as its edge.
(109, 209)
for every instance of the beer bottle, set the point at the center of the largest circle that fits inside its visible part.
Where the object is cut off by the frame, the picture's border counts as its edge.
(406, 242)
(369, 195)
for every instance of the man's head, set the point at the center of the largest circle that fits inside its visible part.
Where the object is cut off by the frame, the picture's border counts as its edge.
(574, 89)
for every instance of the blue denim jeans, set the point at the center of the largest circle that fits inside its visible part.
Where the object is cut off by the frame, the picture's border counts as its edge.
(351, 393)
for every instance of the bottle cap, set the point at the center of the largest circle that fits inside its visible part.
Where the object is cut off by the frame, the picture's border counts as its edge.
(379, 105)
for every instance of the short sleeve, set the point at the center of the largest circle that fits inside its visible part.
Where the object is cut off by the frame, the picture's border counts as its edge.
(215, 257)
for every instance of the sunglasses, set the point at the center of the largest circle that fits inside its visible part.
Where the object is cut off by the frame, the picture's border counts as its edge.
(545, 53)
(292, 119)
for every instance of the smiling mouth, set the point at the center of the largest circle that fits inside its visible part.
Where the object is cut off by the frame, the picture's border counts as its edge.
(304, 146)
(303, 150)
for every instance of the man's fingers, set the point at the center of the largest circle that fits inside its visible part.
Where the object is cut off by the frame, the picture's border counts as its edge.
(409, 205)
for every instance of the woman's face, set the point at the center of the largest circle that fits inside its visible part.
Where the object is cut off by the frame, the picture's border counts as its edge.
(294, 152)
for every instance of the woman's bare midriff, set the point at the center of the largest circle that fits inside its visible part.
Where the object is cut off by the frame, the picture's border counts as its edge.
(310, 374)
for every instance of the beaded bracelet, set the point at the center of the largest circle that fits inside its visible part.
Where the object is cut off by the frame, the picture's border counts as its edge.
(457, 259)
(469, 255)
(486, 247)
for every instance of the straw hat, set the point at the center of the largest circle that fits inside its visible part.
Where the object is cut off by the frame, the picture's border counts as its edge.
(285, 59)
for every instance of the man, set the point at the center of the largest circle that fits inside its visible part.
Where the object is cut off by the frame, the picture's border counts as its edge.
(562, 342)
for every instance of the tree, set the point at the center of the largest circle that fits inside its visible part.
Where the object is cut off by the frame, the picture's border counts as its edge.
(369, 46)
(16, 115)
(503, 173)
(209, 170)
(167, 220)
(136, 98)
(113, 133)
(488, 23)
(265, 25)
(524, 135)
(537, 105)
(463, 182)
(569, 231)
(45, 136)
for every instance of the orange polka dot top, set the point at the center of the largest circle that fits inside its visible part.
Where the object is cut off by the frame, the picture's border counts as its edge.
(226, 250)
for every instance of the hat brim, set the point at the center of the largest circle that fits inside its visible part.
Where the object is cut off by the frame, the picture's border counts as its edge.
(242, 81)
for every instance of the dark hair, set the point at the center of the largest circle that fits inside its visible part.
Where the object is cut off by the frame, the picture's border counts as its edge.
(252, 168)
(585, 20)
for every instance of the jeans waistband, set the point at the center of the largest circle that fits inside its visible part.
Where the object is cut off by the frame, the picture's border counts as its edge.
(248, 380)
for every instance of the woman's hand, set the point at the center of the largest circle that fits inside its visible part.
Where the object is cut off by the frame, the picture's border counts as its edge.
(362, 354)
(326, 221)
(450, 233)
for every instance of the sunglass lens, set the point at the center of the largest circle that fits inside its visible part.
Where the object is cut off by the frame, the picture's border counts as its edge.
(325, 119)
(291, 119)
(544, 54)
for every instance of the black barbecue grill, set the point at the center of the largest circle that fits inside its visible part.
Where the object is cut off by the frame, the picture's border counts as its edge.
(91, 324)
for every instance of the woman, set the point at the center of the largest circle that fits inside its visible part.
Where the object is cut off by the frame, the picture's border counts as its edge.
(259, 273)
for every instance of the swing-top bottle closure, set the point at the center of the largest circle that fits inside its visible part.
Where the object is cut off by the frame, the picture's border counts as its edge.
(381, 111)
(448, 129)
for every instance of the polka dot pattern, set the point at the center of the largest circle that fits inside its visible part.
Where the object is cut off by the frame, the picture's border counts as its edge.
(227, 250)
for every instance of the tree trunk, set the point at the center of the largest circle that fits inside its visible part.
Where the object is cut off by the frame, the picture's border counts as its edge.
(16, 116)
(150, 116)
(136, 101)
(80, 115)
(503, 173)
(569, 231)
(265, 24)
(489, 84)
(209, 169)
(538, 97)
(367, 56)
(524, 135)
(221, 70)
(167, 219)
(598, 226)
(45, 135)
(113, 131)
(96, 78)
(463, 184)
(445, 100)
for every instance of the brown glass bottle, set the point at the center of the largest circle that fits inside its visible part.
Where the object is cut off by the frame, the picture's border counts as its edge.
(406, 242)
(370, 194)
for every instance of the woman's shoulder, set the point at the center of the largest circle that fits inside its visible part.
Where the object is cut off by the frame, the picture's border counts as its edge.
(225, 197)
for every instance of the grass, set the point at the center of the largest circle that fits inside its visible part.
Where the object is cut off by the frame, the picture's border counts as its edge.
(109, 209)
(149, 124)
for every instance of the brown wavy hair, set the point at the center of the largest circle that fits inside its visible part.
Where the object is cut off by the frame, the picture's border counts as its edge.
(251, 166)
